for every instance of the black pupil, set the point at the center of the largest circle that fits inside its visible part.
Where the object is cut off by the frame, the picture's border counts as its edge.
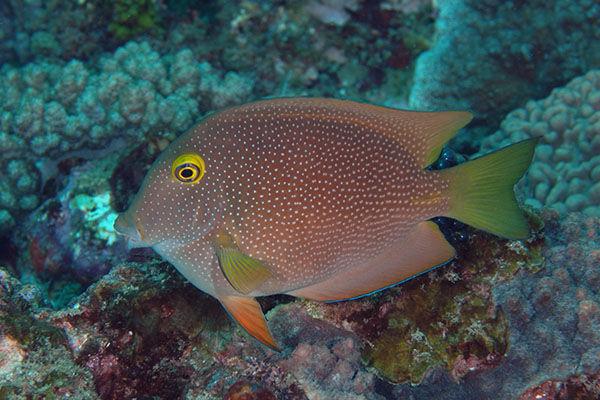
(187, 172)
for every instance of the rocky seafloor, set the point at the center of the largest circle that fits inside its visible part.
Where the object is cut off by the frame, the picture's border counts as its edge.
(506, 319)
(92, 91)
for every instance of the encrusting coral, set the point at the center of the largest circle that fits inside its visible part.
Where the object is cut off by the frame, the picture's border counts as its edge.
(553, 318)
(565, 173)
(141, 330)
(447, 318)
(490, 56)
(69, 241)
(555, 314)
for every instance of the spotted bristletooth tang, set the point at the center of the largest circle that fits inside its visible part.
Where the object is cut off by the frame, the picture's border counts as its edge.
(317, 198)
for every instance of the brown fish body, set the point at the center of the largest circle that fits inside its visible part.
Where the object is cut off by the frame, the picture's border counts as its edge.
(331, 197)
(309, 188)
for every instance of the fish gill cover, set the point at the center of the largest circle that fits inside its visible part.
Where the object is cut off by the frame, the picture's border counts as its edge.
(91, 92)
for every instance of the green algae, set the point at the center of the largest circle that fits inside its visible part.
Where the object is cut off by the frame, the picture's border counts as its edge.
(29, 331)
(16, 316)
(133, 17)
(426, 331)
(448, 318)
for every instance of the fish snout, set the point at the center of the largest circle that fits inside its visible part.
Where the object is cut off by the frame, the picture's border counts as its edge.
(125, 225)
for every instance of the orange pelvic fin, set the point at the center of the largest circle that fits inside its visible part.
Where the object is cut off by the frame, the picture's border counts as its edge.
(424, 248)
(247, 312)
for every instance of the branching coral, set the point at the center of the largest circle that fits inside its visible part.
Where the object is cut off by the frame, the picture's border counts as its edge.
(52, 110)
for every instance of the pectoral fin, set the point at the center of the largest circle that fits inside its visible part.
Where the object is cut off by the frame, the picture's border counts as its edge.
(243, 272)
(247, 312)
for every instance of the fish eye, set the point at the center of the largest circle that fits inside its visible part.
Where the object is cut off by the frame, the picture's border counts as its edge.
(188, 168)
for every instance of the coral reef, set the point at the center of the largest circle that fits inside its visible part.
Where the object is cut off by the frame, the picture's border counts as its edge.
(69, 241)
(49, 111)
(314, 48)
(447, 318)
(135, 93)
(565, 174)
(553, 315)
(37, 30)
(141, 330)
(83, 115)
(132, 17)
(35, 361)
(491, 55)
(157, 88)
(335, 12)
(52, 29)
(576, 387)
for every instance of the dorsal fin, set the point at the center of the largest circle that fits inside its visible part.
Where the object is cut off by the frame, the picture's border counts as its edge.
(423, 133)
(437, 129)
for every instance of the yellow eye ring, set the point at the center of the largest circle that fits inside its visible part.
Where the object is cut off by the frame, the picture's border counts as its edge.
(188, 168)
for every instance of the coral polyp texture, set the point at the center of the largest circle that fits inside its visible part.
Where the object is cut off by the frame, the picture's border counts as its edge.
(565, 173)
(490, 56)
(79, 91)
(553, 316)
(50, 111)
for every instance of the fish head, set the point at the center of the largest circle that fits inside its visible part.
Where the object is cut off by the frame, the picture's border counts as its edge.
(178, 201)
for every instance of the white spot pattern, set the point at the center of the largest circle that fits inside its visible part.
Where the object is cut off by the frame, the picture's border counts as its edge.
(309, 186)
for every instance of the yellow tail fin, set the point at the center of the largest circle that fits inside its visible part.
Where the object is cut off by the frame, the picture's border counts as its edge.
(482, 190)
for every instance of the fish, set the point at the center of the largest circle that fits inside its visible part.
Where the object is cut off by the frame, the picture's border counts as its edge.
(317, 198)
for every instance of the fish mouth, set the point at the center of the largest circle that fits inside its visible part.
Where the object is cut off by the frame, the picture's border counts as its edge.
(128, 227)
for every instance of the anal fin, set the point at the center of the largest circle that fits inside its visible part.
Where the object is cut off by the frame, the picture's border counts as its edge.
(422, 249)
(247, 312)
